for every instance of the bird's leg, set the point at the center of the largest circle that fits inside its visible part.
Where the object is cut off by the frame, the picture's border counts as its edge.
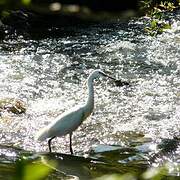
(70, 145)
(49, 143)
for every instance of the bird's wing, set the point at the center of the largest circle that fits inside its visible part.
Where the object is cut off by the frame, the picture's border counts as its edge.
(63, 124)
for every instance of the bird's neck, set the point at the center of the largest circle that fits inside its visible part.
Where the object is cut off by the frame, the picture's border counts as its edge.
(90, 100)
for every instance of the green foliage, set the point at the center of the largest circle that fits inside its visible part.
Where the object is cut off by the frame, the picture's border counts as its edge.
(167, 6)
(150, 6)
(156, 13)
(26, 2)
(145, 5)
(157, 27)
(26, 170)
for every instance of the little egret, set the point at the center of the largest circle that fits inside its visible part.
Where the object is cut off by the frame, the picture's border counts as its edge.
(69, 121)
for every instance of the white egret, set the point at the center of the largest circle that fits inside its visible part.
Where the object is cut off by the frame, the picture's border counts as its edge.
(69, 121)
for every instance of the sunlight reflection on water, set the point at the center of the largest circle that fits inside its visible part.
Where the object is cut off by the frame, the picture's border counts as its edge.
(49, 76)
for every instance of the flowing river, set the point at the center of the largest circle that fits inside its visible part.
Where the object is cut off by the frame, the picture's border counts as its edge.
(130, 125)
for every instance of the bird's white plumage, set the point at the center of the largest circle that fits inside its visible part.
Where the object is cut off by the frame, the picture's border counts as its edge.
(63, 124)
(69, 121)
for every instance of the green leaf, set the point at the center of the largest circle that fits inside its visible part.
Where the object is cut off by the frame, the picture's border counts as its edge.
(167, 26)
(26, 2)
(35, 171)
(154, 24)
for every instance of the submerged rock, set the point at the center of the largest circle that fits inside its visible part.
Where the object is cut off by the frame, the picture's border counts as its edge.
(12, 105)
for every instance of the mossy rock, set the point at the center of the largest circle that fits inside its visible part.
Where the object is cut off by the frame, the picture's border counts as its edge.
(12, 105)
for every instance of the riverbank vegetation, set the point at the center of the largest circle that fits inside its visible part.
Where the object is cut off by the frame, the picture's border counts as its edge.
(156, 12)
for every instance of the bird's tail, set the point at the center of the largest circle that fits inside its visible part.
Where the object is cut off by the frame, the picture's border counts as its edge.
(42, 135)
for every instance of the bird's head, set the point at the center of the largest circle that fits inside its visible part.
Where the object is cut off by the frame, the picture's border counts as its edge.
(97, 73)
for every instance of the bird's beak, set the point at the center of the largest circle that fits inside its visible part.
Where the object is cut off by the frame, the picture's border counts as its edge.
(110, 77)
(117, 82)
